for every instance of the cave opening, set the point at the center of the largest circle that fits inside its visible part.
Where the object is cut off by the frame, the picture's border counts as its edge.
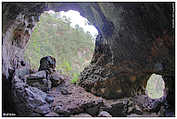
(155, 86)
(131, 43)
(65, 35)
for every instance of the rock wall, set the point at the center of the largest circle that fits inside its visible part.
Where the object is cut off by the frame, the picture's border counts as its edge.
(134, 41)
(18, 24)
(19, 20)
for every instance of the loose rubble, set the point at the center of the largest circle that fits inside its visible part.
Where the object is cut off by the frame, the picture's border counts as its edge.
(64, 99)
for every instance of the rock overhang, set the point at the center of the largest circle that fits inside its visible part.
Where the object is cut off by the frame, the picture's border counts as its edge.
(133, 35)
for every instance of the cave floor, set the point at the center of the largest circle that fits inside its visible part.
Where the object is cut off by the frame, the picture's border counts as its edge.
(72, 100)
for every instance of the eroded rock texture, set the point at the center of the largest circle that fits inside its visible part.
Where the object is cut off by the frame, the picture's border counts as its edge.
(135, 40)
(30, 101)
(46, 77)
(137, 36)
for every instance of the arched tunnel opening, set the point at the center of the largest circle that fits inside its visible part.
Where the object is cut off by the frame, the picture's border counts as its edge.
(67, 37)
(155, 86)
(134, 47)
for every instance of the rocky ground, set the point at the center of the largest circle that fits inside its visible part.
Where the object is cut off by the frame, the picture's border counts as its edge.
(140, 34)
(54, 95)
(72, 100)
(67, 99)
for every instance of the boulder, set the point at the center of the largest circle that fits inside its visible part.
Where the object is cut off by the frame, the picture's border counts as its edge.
(56, 79)
(39, 80)
(42, 84)
(28, 100)
(47, 62)
(33, 100)
(65, 92)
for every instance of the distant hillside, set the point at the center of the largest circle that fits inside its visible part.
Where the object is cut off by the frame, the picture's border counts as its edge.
(72, 48)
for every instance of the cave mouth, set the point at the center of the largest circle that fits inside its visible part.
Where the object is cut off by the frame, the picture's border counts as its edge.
(65, 35)
(155, 86)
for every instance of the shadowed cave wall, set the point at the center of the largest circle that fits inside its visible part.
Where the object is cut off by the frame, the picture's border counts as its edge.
(134, 41)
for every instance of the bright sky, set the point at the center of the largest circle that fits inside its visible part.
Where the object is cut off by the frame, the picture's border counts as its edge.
(76, 18)
(155, 86)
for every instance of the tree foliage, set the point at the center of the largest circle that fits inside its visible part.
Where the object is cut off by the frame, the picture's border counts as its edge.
(72, 47)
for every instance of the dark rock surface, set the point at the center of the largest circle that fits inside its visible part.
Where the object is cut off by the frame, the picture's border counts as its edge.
(31, 101)
(93, 111)
(117, 110)
(56, 79)
(134, 48)
(43, 84)
(106, 81)
(46, 77)
(28, 100)
(47, 62)
(135, 40)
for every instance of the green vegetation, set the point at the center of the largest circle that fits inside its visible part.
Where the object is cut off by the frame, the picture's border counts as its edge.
(75, 78)
(72, 47)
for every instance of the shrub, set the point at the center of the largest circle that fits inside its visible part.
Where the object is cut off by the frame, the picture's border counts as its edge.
(75, 78)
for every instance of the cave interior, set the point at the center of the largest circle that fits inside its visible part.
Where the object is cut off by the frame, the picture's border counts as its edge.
(135, 40)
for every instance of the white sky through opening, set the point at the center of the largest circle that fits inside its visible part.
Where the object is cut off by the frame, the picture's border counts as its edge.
(76, 18)
(155, 86)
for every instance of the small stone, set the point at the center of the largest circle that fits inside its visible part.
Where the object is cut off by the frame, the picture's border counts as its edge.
(58, 108)
(65, 92)
(49, 99)
(104, 114)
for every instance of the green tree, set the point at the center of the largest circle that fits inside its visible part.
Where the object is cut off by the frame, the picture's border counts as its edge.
(72, 47)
